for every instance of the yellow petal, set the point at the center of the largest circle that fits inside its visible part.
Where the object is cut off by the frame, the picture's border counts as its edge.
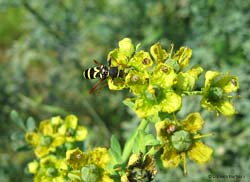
(71, 121)
(99, 156)
(32, 138)
(144, 108)
(200, 152)
(185, 81)
(46, 127)
(126, 47)
(158, 53)
(193, 123)
(182, 56)
(81, 133)
(163, 76)
(225, 107)
(195, 72)
(41, 151)
(106, 178)
(210, 75)
(170, 158)
(115, 85)
(171, 103)
(57, 140)
(33, 166)
(56, 120)
(228, 83)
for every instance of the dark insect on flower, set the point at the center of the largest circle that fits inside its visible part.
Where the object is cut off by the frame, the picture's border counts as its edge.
(102, 72)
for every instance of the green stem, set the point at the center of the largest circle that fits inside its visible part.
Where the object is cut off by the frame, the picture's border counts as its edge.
(192, 92)
(130, 142)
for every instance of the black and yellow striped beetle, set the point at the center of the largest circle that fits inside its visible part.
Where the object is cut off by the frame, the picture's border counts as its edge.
(102, 72)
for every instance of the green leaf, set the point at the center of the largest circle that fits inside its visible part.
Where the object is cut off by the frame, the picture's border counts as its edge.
(15, 117)
(31, 124)
(117, 158)
(17, 135)
(150, 140)
(140, 143)
(115, 145)
(129, 103)
(142, 140)
(23, 148)
(115, 150)
(129, 145)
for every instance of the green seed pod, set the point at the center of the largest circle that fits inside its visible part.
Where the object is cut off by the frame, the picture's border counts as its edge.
(46, 140)
(91, 173)
(51, 171)
(70, 132)
(215, 94)
(181, 140)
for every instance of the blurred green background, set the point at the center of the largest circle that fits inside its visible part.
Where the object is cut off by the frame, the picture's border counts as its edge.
(45, 45)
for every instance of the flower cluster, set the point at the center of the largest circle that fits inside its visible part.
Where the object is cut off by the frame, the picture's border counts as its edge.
(91, 165)
(53, 133)
(59, 159)
(158, 80)
(181, 138)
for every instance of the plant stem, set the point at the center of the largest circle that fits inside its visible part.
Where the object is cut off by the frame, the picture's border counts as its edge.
(192, 92)
(130, 142)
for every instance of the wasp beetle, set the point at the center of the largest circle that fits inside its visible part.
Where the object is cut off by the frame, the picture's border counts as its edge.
(102, 72)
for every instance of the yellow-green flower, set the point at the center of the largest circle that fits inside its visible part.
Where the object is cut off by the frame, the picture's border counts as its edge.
(171, 102)
(181, 139)
(182, 56)
(116, 84)
(141, 62)
(137, 82)
(76, 158)
(49, 168)
(54, 133)
(163, 76)
(158, 53)
(121, 55)
(93, 164)
(71, 130)
(156, 100)
(144, 107)
(216, 92)
(186, 81)
(45, 140)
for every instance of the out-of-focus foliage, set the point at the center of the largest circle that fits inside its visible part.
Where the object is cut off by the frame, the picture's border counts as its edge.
(45, 45)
